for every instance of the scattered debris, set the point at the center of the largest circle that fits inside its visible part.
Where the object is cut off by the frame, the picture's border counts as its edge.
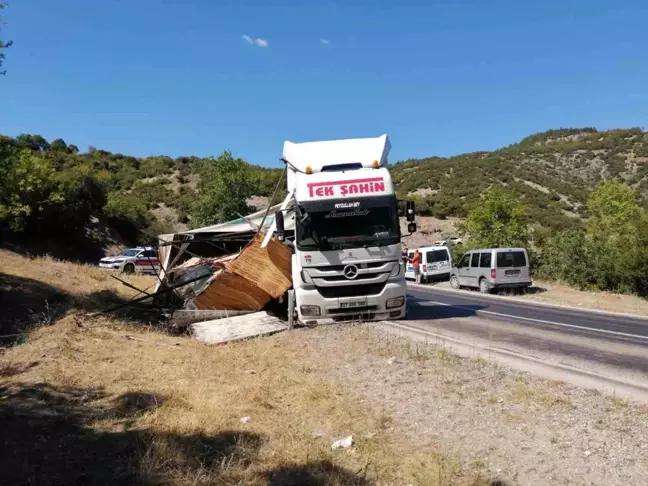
(391, 360)
(245, 420)
(318, 434)
(234, 328)
(251, 372)
(343, 443)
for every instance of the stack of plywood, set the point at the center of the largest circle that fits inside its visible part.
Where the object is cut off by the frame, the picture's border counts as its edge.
(251, 280)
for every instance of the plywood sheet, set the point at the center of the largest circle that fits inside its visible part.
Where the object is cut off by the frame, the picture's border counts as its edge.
(232, 292)
(235, 328)
(269, 268)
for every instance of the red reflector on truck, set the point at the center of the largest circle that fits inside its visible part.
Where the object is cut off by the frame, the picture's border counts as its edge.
(493, 273)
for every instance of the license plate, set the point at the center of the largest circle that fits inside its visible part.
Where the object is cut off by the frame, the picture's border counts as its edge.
(512, 273)
(358, 303)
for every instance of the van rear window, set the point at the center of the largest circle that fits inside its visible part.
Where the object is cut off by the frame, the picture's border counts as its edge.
(511, 259)
(438, 256)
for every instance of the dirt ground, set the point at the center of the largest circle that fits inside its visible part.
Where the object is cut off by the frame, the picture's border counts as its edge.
(521, 429)
(429, 230)
(113, 400)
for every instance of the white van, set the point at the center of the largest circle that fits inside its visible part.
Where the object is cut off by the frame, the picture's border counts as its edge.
(492, 269)
(436, 263)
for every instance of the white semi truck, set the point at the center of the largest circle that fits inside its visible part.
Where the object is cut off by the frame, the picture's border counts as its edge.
(347, 264)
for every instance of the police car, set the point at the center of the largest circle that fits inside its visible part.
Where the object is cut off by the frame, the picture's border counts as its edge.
(142, 259)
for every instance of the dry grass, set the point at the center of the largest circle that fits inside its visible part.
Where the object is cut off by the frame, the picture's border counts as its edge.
(71, 279)
(40, 290)
(123, 405)
(174, 406)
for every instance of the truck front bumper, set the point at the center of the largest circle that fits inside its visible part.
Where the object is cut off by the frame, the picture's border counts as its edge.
(352, 309)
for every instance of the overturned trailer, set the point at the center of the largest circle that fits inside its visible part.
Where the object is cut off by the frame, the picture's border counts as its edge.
(224, 266)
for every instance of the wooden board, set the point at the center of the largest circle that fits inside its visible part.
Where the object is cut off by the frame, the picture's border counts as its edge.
(182, 318)
(269, 268)
(232, 292)
(235, 328)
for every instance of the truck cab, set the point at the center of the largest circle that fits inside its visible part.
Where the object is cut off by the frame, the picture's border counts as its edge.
(347, 263)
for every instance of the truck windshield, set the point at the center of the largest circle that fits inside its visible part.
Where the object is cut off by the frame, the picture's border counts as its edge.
(349, 228)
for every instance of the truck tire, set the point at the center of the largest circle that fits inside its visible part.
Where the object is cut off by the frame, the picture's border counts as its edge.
(129, 268)
(484, 288)
(454, 282)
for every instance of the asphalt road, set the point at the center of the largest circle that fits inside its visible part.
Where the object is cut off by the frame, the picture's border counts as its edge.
(429, 304)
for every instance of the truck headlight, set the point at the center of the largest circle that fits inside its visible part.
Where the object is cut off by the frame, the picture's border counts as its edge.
(396, 302)
(310, 310)
(396, 270)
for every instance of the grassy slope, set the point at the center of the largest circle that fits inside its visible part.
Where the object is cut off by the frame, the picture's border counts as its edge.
(122, 403)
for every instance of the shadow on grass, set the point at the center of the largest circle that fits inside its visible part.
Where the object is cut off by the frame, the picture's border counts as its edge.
(50, 436)
(26, 303)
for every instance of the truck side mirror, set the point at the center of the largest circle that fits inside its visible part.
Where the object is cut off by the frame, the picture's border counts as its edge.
(411, 228)
(279, 224)
(410, 211)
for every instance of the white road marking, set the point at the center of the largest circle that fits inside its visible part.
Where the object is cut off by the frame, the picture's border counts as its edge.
(467, 293)
(552, 323)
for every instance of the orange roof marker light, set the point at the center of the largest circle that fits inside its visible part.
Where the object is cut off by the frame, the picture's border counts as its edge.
(309, 169)
(375, 164)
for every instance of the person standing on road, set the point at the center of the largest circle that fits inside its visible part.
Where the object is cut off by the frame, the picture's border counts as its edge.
(416, 263)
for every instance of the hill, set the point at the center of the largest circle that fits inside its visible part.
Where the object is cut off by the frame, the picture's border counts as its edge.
(551, 172)
(56, 199)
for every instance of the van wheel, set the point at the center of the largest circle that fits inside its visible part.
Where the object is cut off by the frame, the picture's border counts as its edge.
(454, 282)
(424, 279)
(484, 288)
(129, 268)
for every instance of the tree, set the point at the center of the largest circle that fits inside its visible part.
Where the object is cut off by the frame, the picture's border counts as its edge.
(498, 220)
(3, 45)
(35, 143)
(614, 212)
(28, 184)
(59, 145)
(226, 184)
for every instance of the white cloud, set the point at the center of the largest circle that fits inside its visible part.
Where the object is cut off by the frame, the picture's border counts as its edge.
(257, 42)
(325, 42)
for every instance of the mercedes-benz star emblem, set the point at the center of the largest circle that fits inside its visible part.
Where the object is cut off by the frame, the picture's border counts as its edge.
(350, 272)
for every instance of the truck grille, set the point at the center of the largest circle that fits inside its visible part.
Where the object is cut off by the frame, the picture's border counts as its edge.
(351, 290)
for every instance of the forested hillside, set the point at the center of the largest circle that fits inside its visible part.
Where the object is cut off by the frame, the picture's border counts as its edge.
(51, 191)
(552, 173)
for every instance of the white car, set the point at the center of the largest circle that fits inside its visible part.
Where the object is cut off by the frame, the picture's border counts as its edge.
(133, 260)
(453, 240)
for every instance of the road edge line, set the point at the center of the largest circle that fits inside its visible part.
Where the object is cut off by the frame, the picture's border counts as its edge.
(629, 389)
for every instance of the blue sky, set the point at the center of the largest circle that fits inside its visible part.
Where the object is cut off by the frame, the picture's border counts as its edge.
(149, 77)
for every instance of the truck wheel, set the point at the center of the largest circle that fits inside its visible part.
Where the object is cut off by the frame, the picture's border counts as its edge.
(454, 282)
(484, 288)
(129, 268)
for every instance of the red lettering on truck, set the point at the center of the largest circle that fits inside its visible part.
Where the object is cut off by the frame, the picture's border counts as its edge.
(342, 188)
